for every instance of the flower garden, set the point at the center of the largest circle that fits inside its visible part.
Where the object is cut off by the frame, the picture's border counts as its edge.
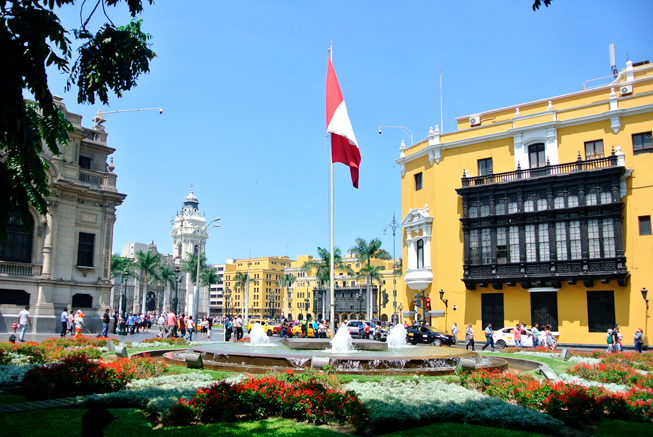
(593, 388)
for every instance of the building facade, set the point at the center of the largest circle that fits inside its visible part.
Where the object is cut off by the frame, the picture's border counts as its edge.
(64, 260)
(537, 213)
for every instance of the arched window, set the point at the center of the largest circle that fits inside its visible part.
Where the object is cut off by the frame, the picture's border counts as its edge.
(536, 155)
(18, 245)
(420, 254)
(179, 253)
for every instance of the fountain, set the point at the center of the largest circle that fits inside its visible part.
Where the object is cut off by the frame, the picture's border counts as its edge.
(397, 336)
(344, 354)
(258, 336)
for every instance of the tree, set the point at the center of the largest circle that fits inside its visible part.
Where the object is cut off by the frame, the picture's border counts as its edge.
(169, 277)
(538, 3)
(365, 253)
(286, 281)
(148, 264)
(322, 267)
(120, 267)
(241, 279)
(32, 38)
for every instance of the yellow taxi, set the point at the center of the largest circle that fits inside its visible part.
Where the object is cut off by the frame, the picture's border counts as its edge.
(268, 326)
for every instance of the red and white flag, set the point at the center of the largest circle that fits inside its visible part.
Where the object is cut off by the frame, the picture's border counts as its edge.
(344, 148)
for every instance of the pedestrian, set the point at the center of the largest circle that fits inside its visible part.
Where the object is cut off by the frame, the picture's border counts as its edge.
(489, 340)
(64, 322)
(550, 340)
(71, 322)
(205, 326)
(517, 334)
(190, 327)
(161, 324)
(454, 331)
(610, 340)
(229, 327)
(131, 320)
(79, 323)
(366, 331)
(469, 336)
(171, 324)
(238, 324)
(182, 325)
(615, 338)
(106, 319)
(116, 320)
(638, 339)
(304, 328)
(137, 322)
(209, 319)
(24, 319)
(536, 335)
(323, 329)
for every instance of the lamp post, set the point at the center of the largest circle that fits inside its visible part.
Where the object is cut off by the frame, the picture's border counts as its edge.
(306, 305)
(644, 295)
(123, 306)
(178, 278)
(360, 298)
(393, 225)
(404, 129)
(400, 308)
(446, 306)
(196, 294)
(272, 299)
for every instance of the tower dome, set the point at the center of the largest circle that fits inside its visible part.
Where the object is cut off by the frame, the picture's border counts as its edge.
(191, 205)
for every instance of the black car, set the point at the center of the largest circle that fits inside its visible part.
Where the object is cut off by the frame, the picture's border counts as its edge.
(428, 335)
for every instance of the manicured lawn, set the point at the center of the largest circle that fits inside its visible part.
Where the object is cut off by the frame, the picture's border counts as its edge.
(459, 429)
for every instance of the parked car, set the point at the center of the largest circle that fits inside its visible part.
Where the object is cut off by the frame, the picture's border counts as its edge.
(428, 335)
(352, 325)
(505, 337)
(268, 326)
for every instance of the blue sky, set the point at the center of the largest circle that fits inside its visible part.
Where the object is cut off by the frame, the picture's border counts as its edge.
(242, 87)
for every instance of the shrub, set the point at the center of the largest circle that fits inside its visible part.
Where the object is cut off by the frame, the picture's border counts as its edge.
(171, 341)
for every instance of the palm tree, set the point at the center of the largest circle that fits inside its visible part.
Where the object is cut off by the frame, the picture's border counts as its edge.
(208, 275)
(241, 279)
(120, 267)
(148, 264)
(365, 253)
(322, 267)
(169, 278)
(286, 281)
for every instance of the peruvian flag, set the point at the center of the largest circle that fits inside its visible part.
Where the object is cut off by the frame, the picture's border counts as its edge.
(344, 148)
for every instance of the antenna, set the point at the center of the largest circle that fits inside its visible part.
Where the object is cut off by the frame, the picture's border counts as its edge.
(613, 62)
(441, 115)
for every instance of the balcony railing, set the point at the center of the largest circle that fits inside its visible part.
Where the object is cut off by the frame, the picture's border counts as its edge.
(98, 179)
(19, 269)
(548, 170)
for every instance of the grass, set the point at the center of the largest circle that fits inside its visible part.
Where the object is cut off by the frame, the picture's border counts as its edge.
(558, 366)
(462, 430)
(610, 427)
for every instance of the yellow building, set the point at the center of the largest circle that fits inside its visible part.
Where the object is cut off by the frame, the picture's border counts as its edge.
(261, 295)
(537, 213)
(308, 298)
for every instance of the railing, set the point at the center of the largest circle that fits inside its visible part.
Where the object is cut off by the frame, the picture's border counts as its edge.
(19, 269)
(97, 179)
(547, 170)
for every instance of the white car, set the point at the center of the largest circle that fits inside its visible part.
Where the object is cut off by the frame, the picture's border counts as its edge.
(505, 337)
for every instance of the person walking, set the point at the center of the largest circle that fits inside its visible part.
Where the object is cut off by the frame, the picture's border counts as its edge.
(161, 324)
(610, 340)
(489, 339)
(64, 322)
(182, 325)
(454, 331)
(638, 339)
(209, 319)
(469, 336)
(536, 335)
(190, 327)
(71, 322)
(171, 324)
(550, 340)
(24, 319)
(238, 324)
(517, 334)
(116, 320)
(615, 339)
(228, 329)
(106, 319)
(204, 325)
(79, 323)
(130, 323)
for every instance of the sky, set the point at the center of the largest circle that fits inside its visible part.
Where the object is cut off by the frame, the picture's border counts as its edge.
(242, 87)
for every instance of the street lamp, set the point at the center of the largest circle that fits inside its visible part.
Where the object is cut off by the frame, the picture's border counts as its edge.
(272, 299)
(196, 295)
(178, 279)
(306, 303)
(393, 225)
(123, 295)
(360, 299)
(446, 301)
(644, 294)
(404, 129)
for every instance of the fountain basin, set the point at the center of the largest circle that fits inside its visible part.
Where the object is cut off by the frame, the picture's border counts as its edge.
(324, 343)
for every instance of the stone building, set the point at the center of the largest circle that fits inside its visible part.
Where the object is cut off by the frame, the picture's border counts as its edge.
(64, 260)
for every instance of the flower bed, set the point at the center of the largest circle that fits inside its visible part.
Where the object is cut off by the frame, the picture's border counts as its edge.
(574, 404)
(80, 375)
(256, 398)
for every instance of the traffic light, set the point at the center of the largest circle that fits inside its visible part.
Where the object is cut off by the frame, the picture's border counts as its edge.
(418, 301)
(427, 303)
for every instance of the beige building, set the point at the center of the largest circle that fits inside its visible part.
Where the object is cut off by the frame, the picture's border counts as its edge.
(64, 260)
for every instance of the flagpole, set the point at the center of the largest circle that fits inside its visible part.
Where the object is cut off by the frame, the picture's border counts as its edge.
(332, 314)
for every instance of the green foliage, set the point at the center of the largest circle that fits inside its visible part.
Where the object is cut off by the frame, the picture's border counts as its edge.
(32, 39)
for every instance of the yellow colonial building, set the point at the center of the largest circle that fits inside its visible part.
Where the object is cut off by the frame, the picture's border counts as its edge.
(537, 213)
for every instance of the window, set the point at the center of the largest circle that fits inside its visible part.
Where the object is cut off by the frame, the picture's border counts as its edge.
(594, 149)
(418, 181)
(642, 142)
(17, 247)
(85, 249)
(514, 245)
(543, 240)
(420, 254)
(561, 241)
(645, 225)
(14, 297)
(492, 310)
(486, 246)
(484, 167)
(502, 249)
(594, 239)
(574, 240)
(82, 300)
(536, 155)
(85, 162)
(474, 245)
(544, 309)
(600, 310)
